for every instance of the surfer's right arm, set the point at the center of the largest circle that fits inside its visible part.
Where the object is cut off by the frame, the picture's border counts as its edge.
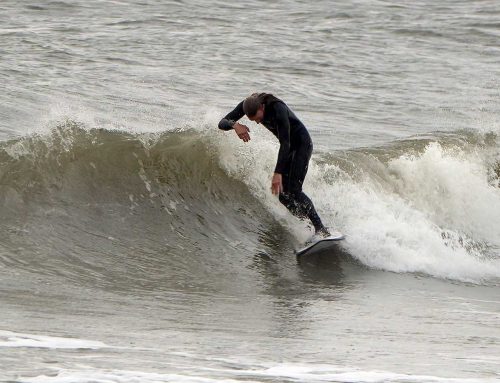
(230, 122)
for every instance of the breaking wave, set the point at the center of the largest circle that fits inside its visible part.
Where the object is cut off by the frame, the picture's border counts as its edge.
(79, 201)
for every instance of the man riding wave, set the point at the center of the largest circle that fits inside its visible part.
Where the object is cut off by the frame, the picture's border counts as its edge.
(293, 156)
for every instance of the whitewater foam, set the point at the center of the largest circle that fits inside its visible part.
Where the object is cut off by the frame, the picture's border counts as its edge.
(451, 187)
(434, 213)
(394, 230)
(14, 339)
(286, 372)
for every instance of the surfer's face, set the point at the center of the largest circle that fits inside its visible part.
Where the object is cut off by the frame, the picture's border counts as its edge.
(258, 116)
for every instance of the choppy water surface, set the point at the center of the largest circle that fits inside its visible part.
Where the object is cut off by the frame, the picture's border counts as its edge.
(139, 243)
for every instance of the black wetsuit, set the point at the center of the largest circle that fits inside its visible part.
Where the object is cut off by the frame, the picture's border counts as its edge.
(293, 157)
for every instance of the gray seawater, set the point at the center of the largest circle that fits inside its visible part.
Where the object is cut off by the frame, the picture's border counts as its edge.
(140, 244)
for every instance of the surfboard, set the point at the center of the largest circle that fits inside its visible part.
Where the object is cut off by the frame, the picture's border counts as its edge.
(321, 244)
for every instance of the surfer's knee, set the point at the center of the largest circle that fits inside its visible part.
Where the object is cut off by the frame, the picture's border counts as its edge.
(289, 202)
(284, 198)
(302, 201)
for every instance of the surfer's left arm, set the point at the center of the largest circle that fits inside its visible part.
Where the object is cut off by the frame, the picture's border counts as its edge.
(230, 121)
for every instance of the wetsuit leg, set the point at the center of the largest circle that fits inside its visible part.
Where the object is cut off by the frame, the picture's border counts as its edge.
(295, 200)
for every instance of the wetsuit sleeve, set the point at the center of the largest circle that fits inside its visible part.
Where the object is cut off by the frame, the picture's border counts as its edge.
(228, 121)
(283, 128)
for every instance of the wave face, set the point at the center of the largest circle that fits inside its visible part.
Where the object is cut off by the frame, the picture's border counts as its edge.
(113, 208)
(108, 207)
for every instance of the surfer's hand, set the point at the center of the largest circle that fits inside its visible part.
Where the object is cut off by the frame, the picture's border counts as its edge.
(277, 184)
(242, 131)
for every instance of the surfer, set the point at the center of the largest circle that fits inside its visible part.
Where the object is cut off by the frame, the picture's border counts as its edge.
(293, 156)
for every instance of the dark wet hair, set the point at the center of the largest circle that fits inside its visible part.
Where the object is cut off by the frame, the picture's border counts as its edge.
(252, 103)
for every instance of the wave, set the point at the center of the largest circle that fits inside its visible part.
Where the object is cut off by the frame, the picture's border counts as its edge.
(100, 203)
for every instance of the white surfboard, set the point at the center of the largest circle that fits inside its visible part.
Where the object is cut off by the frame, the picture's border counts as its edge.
(321, 244)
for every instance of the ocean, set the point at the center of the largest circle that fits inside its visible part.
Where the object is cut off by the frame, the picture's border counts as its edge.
(140, 243)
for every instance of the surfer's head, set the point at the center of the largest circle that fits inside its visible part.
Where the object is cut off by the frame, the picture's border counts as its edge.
(254, 106)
